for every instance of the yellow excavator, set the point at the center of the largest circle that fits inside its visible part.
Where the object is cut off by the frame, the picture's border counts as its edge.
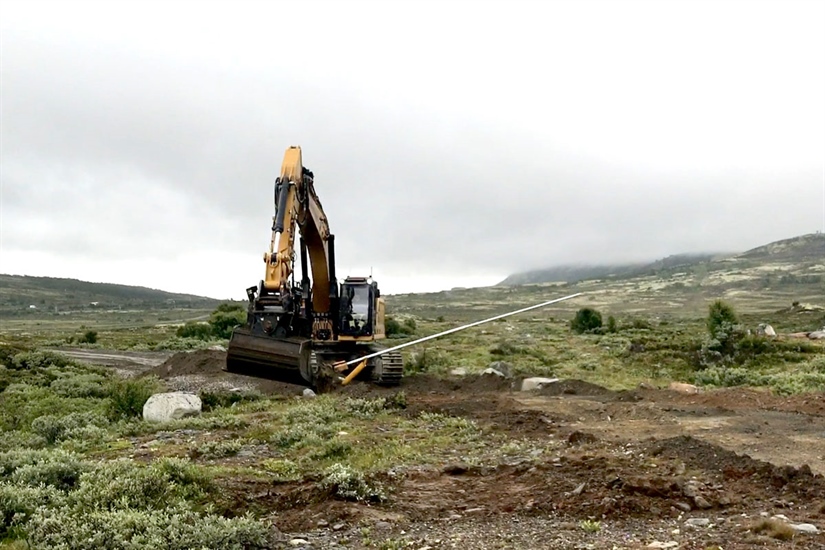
(311, 332)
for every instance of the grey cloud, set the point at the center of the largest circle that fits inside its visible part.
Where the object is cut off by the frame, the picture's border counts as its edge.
(108, 154)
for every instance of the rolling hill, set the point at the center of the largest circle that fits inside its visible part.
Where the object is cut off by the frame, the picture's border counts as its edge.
(18, 293)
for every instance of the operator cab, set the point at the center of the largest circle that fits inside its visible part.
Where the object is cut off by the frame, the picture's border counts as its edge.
(358, 297)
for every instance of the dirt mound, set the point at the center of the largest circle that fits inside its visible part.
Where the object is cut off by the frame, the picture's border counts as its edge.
(732, 466)
(201, 362)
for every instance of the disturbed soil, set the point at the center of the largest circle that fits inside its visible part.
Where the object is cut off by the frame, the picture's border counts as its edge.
(647, 468)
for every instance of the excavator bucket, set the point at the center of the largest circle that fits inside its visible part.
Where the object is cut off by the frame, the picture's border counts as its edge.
(282, 359)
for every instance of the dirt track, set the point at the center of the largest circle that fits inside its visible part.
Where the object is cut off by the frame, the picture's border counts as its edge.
(642, 463)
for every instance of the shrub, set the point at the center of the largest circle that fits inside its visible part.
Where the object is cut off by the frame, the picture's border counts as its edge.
(80, 385)
(173, 528)
(225, 318)
(57, 428)
(350, 484)
(427, 359)
(39, 359)
(611, 324)
(89, 337)
(193, 329)
(586, 320)
(127, 397)
(394, 328)
(283, 470)
(18, 503)
(55, 468)
(219, 449)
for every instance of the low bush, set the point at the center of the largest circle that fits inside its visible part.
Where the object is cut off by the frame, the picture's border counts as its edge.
(218, 449)
(127, 397)
(350, 484)
(52, 467)
(55, 428)
(193, 329)
(39, 359)
(174, 528)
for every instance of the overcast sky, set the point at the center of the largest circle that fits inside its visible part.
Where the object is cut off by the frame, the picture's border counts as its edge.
(453, 143)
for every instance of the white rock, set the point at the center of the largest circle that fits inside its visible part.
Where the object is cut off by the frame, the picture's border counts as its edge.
(817, 335)
(683, 388)
(493, 372)
(460, 371)
(298, 542)
(808, 528)
(669, 544)
(308, 393)
(163, 407)
(216, 347)
(536, 383)
(769, 331)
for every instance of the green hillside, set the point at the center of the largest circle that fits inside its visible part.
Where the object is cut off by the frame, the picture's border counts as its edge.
(18, 293)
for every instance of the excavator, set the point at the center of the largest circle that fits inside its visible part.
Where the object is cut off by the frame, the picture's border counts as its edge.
(316, 331)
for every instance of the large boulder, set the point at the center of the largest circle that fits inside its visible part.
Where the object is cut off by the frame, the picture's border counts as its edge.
(163, 407)
(817, 335)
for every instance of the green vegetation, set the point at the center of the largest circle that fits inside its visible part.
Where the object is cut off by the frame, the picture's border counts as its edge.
(586, 320)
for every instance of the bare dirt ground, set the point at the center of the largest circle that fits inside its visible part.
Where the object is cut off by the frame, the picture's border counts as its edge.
(647, 468)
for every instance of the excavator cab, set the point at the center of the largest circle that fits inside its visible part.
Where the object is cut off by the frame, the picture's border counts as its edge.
(358, 314)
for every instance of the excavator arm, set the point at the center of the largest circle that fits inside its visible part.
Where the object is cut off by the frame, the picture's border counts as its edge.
(297, 206)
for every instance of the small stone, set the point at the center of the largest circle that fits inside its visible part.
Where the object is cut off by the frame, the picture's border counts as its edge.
(299, 542)
(383, 525)
(338, 526)
(698, 522)
(782, 517)
(459, 371)
(308, 393)
(322, 523)
(807, 528)
(683, 506)
(668, 544)
(683, 388)
(702, 502)
(454, 516)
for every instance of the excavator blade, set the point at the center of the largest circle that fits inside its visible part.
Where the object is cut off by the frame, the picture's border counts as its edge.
(282, 359)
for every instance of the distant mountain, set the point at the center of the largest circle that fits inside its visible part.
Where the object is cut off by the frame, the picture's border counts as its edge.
(21, 292)
(576, 273)
(802, 250)
(809, 247)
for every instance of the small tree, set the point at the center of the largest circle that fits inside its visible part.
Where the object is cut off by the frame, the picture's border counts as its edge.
(89, 337)
(723, 326)
(586, 320)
